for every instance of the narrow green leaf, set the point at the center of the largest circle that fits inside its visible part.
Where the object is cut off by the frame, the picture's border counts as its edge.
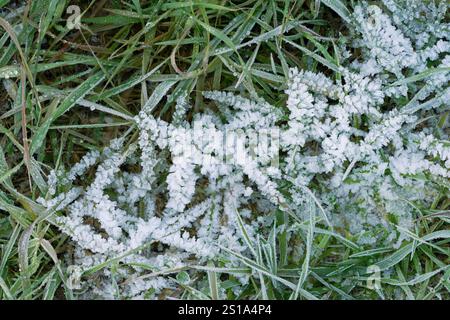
(73, 98)
(339, 7)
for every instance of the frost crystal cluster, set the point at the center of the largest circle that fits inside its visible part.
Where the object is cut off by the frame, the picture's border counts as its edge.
(355, 142)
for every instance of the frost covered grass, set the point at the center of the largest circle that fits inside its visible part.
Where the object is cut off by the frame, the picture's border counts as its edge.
(119, 179)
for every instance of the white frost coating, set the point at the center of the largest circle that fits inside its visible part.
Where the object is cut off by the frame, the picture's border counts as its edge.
(352, 142)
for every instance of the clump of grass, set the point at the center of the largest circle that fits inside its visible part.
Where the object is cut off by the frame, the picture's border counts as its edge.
(65, 92)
